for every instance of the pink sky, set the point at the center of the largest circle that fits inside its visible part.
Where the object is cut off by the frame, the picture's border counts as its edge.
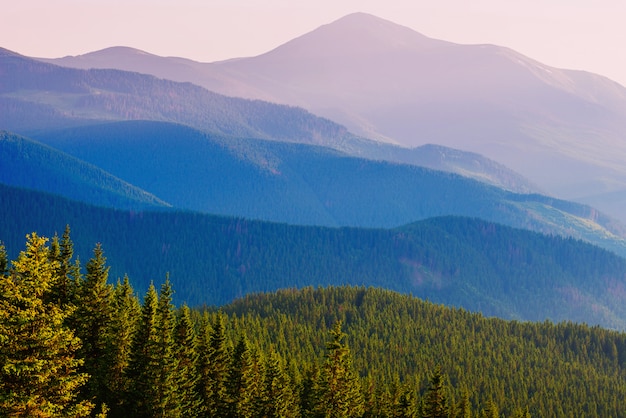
(576, 34)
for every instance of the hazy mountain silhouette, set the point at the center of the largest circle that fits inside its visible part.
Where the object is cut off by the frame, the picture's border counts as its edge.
(562, 129)
(36, 96)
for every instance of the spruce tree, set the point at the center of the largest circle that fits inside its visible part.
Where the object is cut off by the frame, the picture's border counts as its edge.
(435, 403)
(279, 397)
(464, 409)
(144, 364)
(491, 410)
(166, 385)
(125, 313)
(92, 321)
(187, 355)
(240, 382)
(39, 374)
(213, 367)
(64, 288)
(340, 392)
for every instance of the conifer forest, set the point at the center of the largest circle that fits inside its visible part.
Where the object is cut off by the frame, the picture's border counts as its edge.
(74, 345)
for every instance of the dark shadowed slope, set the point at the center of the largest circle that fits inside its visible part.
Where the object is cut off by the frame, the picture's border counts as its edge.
(29, 164)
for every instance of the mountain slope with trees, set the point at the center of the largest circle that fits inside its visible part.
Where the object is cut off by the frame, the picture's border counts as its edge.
(29, 164)
(347, 352)
(477, 265)
(301, 184)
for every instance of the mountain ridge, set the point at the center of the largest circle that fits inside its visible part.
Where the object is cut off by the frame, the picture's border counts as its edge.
(562, 129)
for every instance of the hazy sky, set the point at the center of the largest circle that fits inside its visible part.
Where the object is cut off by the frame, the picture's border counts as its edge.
(577, 34)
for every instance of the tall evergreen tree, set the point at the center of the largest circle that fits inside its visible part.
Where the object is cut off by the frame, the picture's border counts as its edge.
(166, 385)
(213, 367)
(39, 370)
(491, 410)
(435, 403)
(340, 392)
(144, 365)
(465, 408)
(92, 321)
(68, 272)
(125, 313)
(279, 398)
(308, 390)
(187, 356)
(240, 383)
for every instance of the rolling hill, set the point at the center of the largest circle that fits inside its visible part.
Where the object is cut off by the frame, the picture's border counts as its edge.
(562, 129)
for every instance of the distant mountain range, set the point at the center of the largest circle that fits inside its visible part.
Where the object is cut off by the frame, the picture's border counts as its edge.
(36, 96)
(562, 129)
(306, 185)
(146, 164)
(215, 169)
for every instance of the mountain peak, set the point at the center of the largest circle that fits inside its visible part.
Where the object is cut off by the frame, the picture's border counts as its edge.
(359, 34)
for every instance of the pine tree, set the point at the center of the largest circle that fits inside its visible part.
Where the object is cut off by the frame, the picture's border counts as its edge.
(166, 385)
(92, 321)
(125, 313)
(212, 367)
(340, 393)
(279, 398)
(308, 391)
(143, 366)
(64, 288)
(435, 401)
(491, 410)
(240, 382)
(39, 375)
(186, 353)
(465, 407)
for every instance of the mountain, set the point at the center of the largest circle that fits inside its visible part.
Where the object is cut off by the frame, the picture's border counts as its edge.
(37, 96)
(562, 129)
(303, 184)
(29, 164)
(469, 263)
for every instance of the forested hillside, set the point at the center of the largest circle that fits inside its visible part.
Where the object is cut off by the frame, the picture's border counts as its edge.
(310, 185)
(30, 164)
(101, 350)
(464, 262)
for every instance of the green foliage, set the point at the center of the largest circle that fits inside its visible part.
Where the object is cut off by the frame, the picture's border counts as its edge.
(340, 392)
(92, 320)
(435, 404)
(39, 369)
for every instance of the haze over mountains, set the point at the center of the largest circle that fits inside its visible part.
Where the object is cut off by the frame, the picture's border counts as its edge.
(131, 141)
(564, 130)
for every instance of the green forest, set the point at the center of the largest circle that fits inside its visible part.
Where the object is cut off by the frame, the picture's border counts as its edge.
(72, 344)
